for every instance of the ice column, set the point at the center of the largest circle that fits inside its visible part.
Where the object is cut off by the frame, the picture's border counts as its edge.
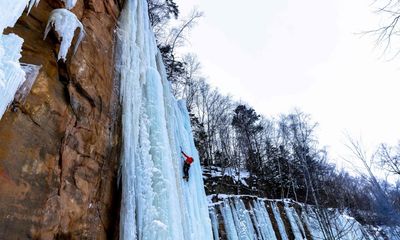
(279, 221)
(242, 219)
(295, 223)
(264, 223)
(214, 222)
(229, 222)
(156, 202)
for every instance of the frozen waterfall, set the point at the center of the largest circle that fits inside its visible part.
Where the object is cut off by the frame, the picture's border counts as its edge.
(156, 202)
(244, 217)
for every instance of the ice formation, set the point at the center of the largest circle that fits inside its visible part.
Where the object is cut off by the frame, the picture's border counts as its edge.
(295, 223)
(31, 73)
(32, 3)
(263, 221)
(278, 219)
(241, 222)
(214, 222)
(156, 202)
(65, 23)
(229, 222)
(248, 217)
(11, 73)
(69, 4)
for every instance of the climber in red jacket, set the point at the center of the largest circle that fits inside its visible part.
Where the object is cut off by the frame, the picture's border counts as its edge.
(186, 165)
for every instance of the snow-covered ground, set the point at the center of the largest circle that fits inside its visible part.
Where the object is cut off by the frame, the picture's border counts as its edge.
(236, 175)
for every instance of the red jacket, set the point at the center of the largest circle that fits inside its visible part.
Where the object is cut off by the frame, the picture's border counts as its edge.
(188, 160)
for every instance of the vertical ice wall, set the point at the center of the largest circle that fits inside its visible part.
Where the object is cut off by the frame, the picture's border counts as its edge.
(11, 73)
(156, 202)
(245, 223)
(278, 219)
(264, 223)
(214, 222)
(229, 222)
(295, 223)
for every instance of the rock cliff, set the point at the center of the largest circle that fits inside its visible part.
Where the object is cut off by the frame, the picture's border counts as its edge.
(59, 151)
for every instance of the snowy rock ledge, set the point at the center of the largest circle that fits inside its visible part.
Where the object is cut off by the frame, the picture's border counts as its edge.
(65, 23)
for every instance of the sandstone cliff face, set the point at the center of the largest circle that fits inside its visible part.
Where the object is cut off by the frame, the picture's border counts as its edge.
(59, 150)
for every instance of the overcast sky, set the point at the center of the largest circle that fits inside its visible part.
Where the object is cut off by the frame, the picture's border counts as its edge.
(280, 54)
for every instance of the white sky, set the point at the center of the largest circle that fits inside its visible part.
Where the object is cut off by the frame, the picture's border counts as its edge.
(281, 54)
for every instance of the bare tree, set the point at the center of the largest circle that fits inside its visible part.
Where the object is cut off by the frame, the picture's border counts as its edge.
(389, 158)
(387, 33)
(382, 202)
(175, 39)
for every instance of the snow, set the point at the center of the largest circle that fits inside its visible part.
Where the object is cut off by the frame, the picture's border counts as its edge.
(69, 4)
(156, 202)
(65, 23)
(237, 176)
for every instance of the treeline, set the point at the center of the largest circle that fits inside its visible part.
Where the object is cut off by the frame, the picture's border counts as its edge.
(282, 155)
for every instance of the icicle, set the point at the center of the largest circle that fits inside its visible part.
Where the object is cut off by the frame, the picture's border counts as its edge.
(214, 222)
(31, 73)
(281, 225)
(65, 23)
(69, 4)
(264, 222)
(242, 220)
(296, 229)
(32, 3)
(229, 222)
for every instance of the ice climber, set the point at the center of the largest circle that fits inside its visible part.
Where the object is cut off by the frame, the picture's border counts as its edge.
(186, 165)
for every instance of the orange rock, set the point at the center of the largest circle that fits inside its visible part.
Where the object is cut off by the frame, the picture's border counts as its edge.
(59, 150)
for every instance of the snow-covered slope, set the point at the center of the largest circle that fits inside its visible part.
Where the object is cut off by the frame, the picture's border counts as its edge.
(156, 202)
